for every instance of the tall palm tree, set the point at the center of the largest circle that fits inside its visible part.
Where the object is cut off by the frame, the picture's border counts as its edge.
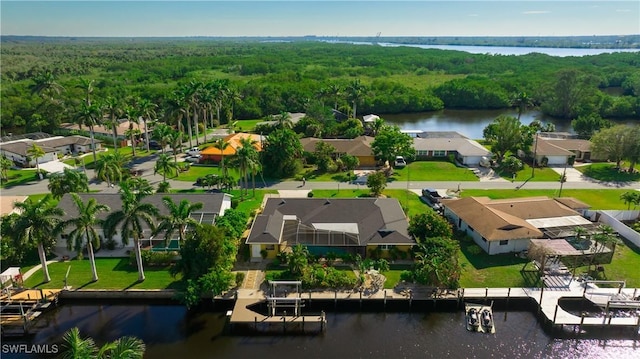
(132, 133)
(109, 167)
(134, 117)
(74, 347)
(233, 95)
(45, 85)
(34, 151)
(84, 228)
(36, 224)
(165, 165)
(130, 220)
(185, 95)
(162, 134)
(220, 91)
(355, 93)
(113, 110)
(247, 159)
(222, 145)
(87, 87)
(522, 101)
(175, 141)
(334, 91)
(90, 116)
(146, 110)
(178, 219)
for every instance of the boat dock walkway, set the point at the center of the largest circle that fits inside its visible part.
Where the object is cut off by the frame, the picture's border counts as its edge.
(19, 308)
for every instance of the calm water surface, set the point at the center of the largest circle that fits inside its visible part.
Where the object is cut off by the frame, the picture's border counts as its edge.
(170, 332)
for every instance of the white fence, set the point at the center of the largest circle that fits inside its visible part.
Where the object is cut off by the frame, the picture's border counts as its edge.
(613, 219)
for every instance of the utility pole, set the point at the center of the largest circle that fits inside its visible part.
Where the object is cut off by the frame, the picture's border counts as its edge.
(533, 163)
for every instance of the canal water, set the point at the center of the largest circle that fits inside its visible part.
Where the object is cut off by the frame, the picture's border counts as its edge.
(169, 331)
(471, 123)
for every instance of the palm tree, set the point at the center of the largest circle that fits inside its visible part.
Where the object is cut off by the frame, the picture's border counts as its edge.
(109, 167)
(113, 109)
(283, 120)
(186, 94)
(5, 166)
(165, 165)
(522, 101)
(334, 92)
(246, 159)
(175, 141)
(130, 220)
(84, 228)
(36, 224)
(355, 93)
(74, 347)
(87, 86)
(162, 134)
(90, 116)
(630, 198)
(133, 117)
(220, 92)
(178, 219)
(45, 85)
(34, 151)
(67, 181)
(146, 109)
(222, 145)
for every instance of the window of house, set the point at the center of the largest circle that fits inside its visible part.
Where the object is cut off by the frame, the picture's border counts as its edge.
(504, 242)
(386, 247)
(270, 247)
(439, 153)
(422, 153)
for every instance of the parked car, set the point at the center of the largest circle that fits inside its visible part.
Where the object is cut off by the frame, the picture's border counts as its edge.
(194, 151)
(400, 162)
(154, 145)
(193, 159)
(431, 194)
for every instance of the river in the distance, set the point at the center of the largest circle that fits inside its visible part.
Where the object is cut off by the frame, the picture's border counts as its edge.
(471, 122)
(169, 331)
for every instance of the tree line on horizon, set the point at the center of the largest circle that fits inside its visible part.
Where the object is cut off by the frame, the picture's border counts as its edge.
(46, 84)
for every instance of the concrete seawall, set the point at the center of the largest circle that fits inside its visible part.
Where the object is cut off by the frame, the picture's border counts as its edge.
(118, 294)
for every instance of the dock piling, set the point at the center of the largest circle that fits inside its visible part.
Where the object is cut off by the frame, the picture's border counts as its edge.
(384, 300)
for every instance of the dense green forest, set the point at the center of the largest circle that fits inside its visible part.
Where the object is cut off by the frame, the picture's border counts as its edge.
(45, 83)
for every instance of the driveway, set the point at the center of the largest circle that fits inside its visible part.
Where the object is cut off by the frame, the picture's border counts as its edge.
(54, 166)
(573, 175)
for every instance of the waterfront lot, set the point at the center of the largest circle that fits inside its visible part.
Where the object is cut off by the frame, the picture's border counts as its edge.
(113, 273)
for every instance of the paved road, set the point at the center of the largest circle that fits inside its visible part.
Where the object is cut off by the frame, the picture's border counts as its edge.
(36, 187)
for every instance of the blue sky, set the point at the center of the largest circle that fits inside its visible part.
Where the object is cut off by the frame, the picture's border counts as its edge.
(322, 18)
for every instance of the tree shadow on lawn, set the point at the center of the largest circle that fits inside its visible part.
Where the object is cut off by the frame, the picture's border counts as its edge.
(610, 174)
(479, 259)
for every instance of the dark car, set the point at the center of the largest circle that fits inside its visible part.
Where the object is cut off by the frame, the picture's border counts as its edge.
(431, 194)
(154, 145)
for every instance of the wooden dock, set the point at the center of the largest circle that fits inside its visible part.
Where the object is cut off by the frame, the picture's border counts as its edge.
(20, 308)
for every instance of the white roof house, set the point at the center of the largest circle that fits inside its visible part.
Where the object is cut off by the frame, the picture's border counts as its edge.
(442, 144)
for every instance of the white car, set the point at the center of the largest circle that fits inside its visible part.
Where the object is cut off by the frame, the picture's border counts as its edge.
(193, 159)
(194, 151)
(400, 162)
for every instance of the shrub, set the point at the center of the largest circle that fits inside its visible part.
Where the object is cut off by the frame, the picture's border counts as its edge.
(310, 194)
(406, 276)
(239, 278)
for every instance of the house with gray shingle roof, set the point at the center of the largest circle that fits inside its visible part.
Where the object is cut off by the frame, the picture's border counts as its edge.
(441, 144)
(340, 225)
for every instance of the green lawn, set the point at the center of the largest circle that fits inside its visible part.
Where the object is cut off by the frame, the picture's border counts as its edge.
(248, 205)
(541, 174)
(432, 171)
(113, 273)
(597, 198)
(606, 172)
(482, 270)
(18, 177)
(125, 151)
(624, 266)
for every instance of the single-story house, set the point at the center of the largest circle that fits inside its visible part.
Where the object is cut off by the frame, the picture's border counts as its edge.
(234, 140)
(340, 225)
(508, 225)
(103, 130)
(441, 144)
(580, 149)
(7, 202)
(52, 146)
(214, 205)
(359, 147)
(294, 117)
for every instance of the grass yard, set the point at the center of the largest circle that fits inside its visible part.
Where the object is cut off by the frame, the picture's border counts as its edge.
(482, 270)
(597, 198)
(607, 172)
(248, 205)
(113, 273)
(247, 125)
(624, 266)
(19, 177)
(432, 171)
(541, 174)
